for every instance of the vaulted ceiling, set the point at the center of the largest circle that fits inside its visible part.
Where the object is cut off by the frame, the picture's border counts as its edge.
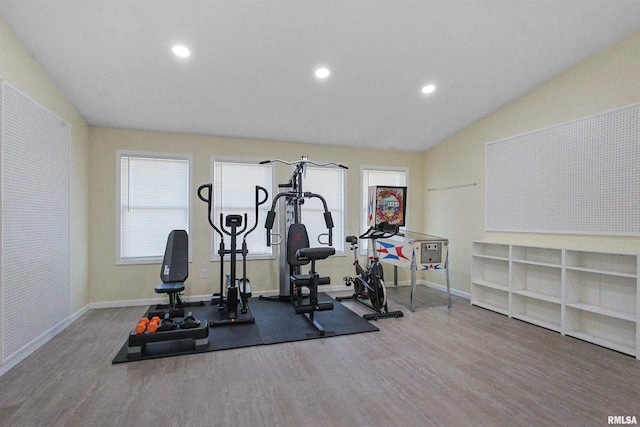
(251, 67)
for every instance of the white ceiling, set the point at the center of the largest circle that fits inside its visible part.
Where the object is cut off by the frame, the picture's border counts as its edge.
(251, 70)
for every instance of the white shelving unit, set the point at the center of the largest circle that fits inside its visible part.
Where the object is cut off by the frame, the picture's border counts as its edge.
(490, 276)
(602, 299)
(587, 295)
(536, 286)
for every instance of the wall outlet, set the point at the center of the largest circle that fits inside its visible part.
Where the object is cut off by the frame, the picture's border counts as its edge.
(204, 273)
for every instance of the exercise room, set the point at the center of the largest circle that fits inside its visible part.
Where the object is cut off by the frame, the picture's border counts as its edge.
(319, 213)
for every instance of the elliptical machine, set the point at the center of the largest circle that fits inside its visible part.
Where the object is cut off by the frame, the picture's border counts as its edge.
(232, 226)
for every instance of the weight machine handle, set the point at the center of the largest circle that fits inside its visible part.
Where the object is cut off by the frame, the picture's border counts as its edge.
(328, 219)
(271, 215)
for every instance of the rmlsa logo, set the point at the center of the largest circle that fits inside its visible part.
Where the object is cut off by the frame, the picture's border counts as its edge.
(622, 419)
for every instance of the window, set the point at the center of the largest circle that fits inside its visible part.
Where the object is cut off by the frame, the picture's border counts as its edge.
(234, 193)
(153, 200)
(329, 183)
(371, 176)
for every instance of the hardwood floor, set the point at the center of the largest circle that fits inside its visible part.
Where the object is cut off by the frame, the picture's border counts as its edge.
(463, 366)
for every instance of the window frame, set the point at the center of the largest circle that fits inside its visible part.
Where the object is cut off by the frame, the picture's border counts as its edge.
(364, 246)
(149, 155)
(340, 239)
(213, 236)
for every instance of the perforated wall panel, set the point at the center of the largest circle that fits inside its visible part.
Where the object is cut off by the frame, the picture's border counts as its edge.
(581, 177)
(35, 220)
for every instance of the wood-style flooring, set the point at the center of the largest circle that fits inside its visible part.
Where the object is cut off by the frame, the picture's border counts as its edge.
(463, 366)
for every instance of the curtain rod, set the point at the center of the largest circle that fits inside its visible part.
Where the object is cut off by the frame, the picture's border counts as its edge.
(473, 184)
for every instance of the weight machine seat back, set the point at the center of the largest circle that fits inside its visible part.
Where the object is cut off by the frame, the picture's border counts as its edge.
(175, 266)
(297, 238)
(299, 253)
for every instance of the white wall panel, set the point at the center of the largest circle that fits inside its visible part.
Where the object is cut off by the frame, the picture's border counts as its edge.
(581, 177)
(35, 221)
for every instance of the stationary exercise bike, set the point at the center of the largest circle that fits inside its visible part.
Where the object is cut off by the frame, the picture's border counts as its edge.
(232, 225)
(368, 285)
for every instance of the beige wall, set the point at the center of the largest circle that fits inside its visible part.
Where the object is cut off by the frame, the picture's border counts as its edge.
(111, 282)
(608, 80)
(20, 69)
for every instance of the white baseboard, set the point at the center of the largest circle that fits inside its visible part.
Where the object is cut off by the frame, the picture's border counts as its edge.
(443, 288)
(193, 298)
(38, 342)
(127, 303)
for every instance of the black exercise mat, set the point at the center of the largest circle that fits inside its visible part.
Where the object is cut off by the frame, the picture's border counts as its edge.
(279, 322)
(275, 322)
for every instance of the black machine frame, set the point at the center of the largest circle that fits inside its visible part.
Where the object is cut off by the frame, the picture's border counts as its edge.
(290, 199)
(368, 285)
(232, 225)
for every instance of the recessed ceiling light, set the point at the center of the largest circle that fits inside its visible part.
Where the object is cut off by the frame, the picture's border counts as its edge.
(428, 89)
(322, 73)
(181, 51)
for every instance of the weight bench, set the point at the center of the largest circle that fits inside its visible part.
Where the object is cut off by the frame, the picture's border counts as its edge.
(174, 271)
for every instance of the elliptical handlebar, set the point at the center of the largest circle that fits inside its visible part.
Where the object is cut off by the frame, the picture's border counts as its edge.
(258, 204)
(208, 201)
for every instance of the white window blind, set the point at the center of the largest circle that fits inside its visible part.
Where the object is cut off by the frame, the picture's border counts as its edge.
(154, 199)
(234, 193)
(386, 177)
(329, 183)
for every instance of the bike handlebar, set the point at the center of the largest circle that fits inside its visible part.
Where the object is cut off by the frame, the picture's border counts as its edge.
(381, 231)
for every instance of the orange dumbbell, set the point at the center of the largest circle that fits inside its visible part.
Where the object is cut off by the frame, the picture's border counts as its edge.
(141, 327)
(153, 325)
(144, 320)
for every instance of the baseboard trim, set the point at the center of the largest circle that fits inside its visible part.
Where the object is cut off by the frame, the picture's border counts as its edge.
(41, 340)
(443, 288)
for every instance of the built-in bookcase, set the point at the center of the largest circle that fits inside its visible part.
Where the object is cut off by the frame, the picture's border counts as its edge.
(490, 276)
(602, 299)
(587, 295)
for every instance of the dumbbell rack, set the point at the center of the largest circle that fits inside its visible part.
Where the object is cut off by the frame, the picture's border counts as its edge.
(137, 342)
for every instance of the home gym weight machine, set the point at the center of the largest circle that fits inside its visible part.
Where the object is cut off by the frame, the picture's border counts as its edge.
(232, 225)
(293, 234)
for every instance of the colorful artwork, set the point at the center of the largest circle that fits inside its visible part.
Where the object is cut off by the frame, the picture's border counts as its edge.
(387, 204)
